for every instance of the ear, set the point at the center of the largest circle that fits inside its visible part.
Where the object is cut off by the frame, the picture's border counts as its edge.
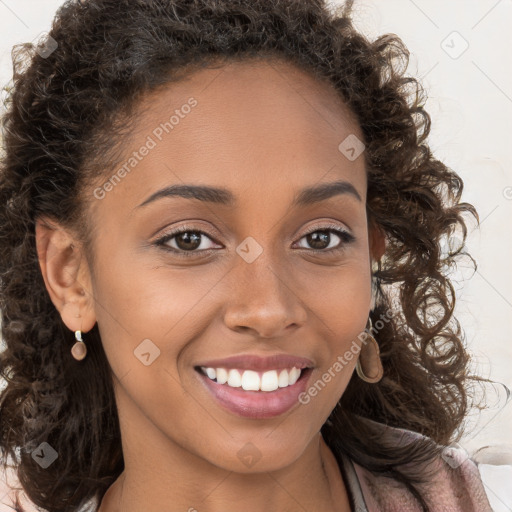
(377, 241)
(66, 274)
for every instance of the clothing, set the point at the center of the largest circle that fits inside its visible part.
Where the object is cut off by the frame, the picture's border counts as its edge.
(454, 490)
(456, 487)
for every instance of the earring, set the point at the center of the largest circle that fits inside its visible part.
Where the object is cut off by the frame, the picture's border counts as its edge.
(369, 359)
(79, 350)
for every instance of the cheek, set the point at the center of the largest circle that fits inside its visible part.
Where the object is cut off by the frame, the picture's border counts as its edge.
(147, 317)
(340, 297)
(341, 306)
(141, 318)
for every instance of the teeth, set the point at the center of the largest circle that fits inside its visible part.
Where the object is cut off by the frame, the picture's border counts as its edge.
(234, 379)
(269, 381)
(250, 380)
(283, 379)
(293, 376)
(211, 373)
(222, 375)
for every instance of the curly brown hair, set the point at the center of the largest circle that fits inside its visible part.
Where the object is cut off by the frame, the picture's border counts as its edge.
(58, 137)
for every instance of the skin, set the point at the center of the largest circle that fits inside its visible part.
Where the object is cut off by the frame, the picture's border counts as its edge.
(264, 131)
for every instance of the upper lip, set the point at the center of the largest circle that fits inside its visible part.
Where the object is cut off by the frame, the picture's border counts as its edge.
(262, 363)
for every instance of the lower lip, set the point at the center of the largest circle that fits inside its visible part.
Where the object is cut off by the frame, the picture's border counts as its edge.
(257, 404)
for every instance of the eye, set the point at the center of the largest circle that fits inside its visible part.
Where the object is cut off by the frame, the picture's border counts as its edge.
(185, 241)
(320, 239)
(188, 242)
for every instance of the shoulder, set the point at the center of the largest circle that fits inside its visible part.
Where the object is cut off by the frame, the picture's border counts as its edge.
(454, 484)
(495, 466)
(10, 489)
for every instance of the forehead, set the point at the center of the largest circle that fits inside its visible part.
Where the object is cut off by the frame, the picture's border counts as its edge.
(266, 125)
(253, 90)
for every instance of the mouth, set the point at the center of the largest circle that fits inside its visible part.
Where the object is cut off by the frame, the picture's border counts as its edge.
(255, 393)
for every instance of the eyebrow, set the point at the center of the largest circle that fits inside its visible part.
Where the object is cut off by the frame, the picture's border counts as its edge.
(223, 196)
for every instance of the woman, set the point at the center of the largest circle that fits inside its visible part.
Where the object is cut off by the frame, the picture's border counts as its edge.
(223, 280)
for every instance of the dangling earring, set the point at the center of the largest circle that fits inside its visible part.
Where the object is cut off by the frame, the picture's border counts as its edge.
(371, 358)
(79, 350)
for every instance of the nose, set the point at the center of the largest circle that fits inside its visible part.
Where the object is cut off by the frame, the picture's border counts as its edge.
(262, 299)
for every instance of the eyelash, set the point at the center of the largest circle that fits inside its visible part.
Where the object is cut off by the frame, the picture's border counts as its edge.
(345, 236)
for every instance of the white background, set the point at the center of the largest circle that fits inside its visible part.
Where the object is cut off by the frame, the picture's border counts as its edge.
(470, 102)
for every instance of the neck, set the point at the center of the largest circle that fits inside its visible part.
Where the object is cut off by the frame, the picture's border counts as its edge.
(312, 482)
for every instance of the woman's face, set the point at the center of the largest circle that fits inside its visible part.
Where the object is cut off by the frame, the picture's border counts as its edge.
(245, 280)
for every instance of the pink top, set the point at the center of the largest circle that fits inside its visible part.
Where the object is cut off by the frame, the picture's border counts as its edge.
(455, 487)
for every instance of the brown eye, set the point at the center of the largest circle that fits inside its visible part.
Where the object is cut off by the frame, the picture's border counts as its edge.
(327, 239)
(319, 239)
(188, 240)
(185, 242)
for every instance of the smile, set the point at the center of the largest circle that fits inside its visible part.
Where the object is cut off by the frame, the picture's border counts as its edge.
(250, 380)
(255, 395)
